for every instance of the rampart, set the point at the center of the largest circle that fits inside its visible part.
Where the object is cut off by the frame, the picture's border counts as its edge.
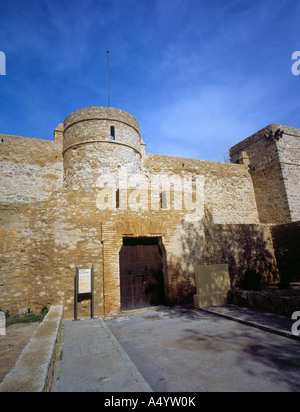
(59, 210)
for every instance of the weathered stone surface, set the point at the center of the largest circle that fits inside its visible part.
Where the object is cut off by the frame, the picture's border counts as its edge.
(274, 165)
(212, 285)
(268, 301)
(56, 211)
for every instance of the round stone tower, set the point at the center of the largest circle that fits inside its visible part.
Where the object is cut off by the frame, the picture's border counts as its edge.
(98, 141)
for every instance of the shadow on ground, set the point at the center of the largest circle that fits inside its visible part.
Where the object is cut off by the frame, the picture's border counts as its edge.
(181, 349)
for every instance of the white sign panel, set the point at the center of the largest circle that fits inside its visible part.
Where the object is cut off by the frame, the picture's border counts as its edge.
(84, 281)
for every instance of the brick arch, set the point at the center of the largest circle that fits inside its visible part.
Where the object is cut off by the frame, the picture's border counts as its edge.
(112, 239)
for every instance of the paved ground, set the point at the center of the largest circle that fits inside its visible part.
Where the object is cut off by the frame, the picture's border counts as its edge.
(271, 322)
(93, 361)
(178, 350)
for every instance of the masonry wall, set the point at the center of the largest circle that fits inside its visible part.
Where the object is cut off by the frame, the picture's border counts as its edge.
(55, 217)
(41, 245)
(228, 188)
(289, 154)
(240, 246)
(91, 151)
(274, 168)
(30, 169)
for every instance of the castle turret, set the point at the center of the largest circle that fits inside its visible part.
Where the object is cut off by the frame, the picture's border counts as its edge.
(273, 157)
(98, 141)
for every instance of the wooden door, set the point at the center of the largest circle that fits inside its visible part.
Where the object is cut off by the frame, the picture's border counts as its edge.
(141, 273)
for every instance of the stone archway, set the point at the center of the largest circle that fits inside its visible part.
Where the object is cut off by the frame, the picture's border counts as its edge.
(113, 234)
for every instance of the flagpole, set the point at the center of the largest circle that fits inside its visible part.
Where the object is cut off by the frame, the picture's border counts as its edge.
(108, 78)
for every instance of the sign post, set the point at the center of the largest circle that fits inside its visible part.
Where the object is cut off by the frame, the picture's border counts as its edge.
(84, 285)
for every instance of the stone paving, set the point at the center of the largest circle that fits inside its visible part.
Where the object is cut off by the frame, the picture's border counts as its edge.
(179, 350)
(93, 361)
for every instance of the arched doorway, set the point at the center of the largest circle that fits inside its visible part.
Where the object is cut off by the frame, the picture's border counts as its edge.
(141, 273)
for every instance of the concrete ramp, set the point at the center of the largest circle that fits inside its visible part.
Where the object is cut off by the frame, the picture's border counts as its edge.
(93, 361)
(33, 370)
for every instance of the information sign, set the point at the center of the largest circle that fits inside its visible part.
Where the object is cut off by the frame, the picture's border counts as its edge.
(84, 288)
(85, 281)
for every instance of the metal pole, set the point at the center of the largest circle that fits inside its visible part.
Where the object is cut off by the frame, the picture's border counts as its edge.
(92, 290)
(76, 293)
(108, 78)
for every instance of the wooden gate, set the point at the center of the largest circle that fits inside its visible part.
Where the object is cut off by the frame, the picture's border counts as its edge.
(141, 273)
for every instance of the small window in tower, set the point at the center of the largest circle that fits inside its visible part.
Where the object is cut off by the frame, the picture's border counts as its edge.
(2, 141)
(112, 133)
(118, 199)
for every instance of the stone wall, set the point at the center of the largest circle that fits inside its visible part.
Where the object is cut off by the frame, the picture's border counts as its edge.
(41, 245)
(30, 169)
(289, 154)
(228, 189)
(272, 300)
(90, 149)
(274, 167)
(55, 216)
(240, 246)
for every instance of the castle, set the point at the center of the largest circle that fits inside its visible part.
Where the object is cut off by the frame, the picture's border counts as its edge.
(94, 197)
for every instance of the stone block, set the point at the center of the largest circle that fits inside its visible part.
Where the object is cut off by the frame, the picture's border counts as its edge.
(212, 285)
(214, 299)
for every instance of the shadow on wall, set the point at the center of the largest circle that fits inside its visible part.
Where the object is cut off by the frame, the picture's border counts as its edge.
(286, 239)
(243, 247)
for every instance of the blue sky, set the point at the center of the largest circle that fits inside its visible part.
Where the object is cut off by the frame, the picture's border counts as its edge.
(198, 75)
